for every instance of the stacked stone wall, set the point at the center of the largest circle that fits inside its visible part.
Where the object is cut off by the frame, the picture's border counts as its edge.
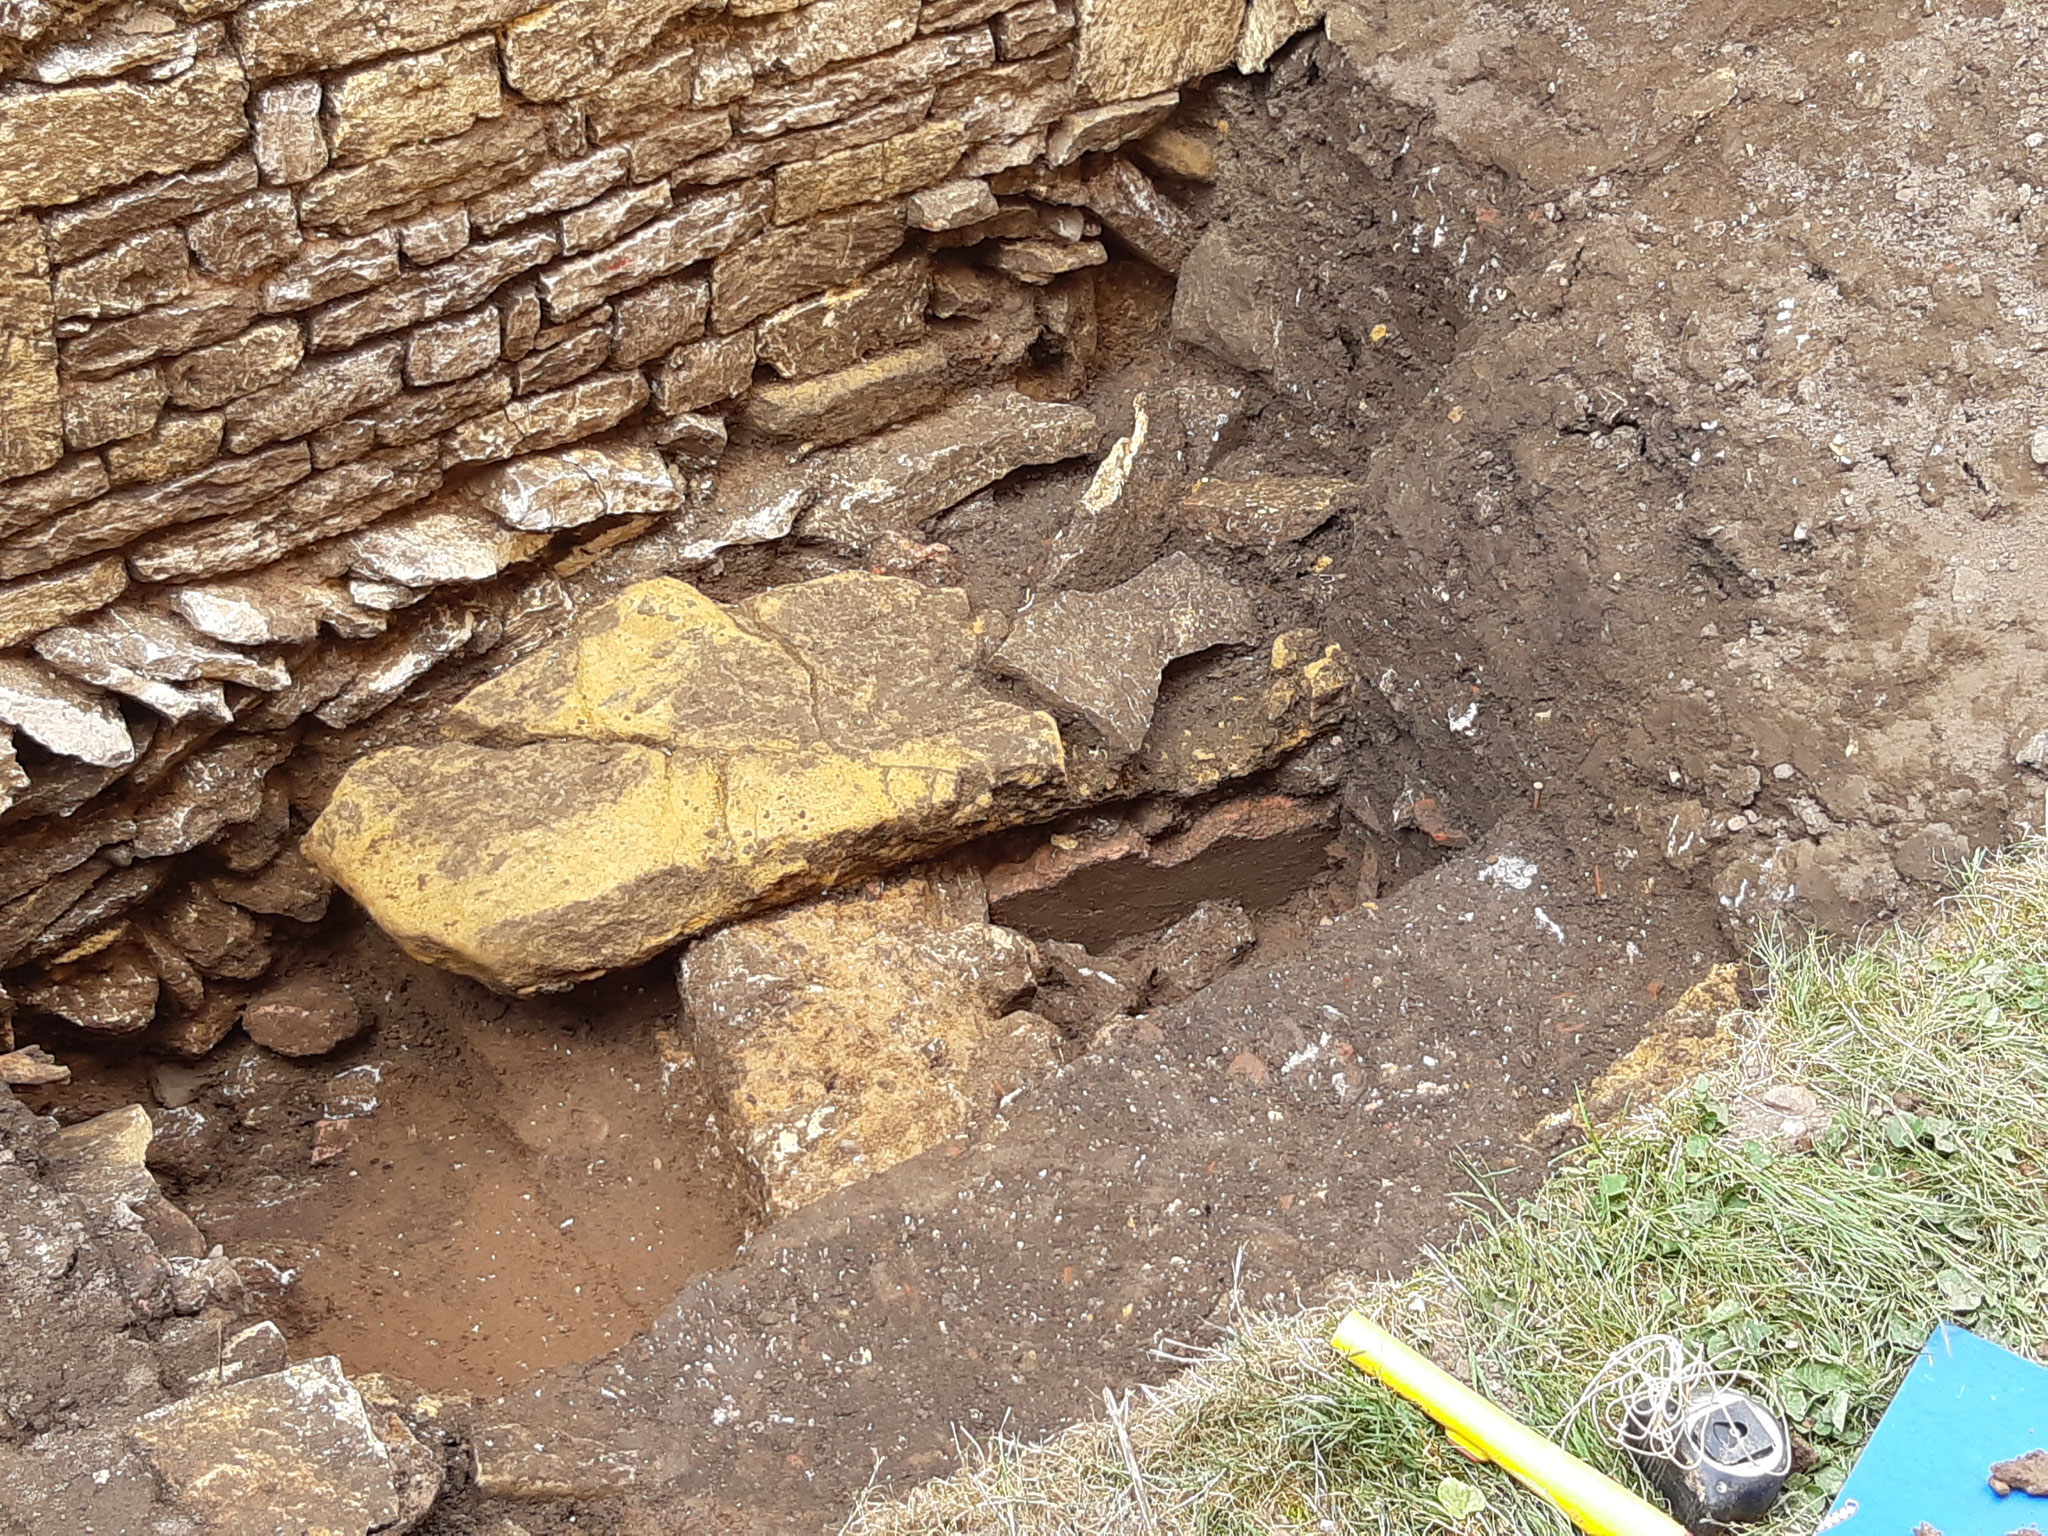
(335, 335)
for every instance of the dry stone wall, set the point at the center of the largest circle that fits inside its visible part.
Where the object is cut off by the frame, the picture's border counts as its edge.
(335, 335)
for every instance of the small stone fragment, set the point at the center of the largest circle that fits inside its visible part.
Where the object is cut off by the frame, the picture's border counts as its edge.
(1105, 128)
(290, 148)
(1030, 28)
(58, 714)
(32, 1067)
(332, 269)
(148, 270)
(1133, 210)
(97, 412)
(1197, 950)
(1040, 261)
(793, 262)
(435, 235)
(1172, 152)
(658, 318)
(31, 424)
(573, 486)
(448, 350)
(852, 401)
(1269, 511)
(111, 993)
(2022, 1474)
(547, 421)
(304, 1015)
(425, 549)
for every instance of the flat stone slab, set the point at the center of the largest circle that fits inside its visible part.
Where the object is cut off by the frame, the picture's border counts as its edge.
(674, 764)
(848, 1035)
(1269, 510)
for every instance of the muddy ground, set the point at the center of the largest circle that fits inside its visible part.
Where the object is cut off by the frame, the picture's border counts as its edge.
(1691, 357)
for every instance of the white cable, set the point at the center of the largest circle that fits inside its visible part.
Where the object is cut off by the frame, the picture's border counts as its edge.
(1641, 1396)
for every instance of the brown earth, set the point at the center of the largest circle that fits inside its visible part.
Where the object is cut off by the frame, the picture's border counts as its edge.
(1691, 359)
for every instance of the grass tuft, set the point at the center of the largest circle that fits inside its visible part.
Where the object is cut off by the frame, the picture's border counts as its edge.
(1816, 1267)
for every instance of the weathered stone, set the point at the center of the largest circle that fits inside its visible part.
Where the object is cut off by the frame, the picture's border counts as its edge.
(852, 737)
(342, 443)
(427, 548)
(610, 218)
(1133, 210)
(78, 478)
(1136, 47)
(1197, 950)
(752, 157)
(572, 45)
(901, 479)
(419, 414)
(1103, 128)
(219, 939)
(853, 401)
(795, 261)
(435, 235)
(535, 422)
(888, 1032)
(1270, 23)
(292, 1450)
(248, 236)
(134, 275)
(177, 445)
(566, 360)
(400, 661)
(869, 174)
(703, 373)
(31, 418)
(703, 227)
(150, 204)
(574, 486)
(200, 318)
(644, 94)
(1040, 261)
(204, 795)
(332, 269)
(1101, 654)
(288, 886)
(126, 44)
(1268, 511)
(658, 318)
(824, 32)
(456, 284)
(306, 1015)
(290, 148)
(27, 608)
(1224, 305)
(225, 486)
(843, 325)
(355, 199)
(1030, 28)
(452, 349)
(935, 15)
(1007, 101)
(550, 190)
(373, 110)
(129, 648)
(1007, 154)
(1171, 152)
(287, 37)
(339, 501)
(322, 392)
(56, 713)
(99, 411)
(57, 146)
(261, 357)
(951, 205)
(32, 1067)
(112, 993)
(677, 141)
(700, 441)
(516, 1462)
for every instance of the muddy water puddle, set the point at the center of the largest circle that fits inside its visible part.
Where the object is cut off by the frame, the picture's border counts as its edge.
(505, 1184)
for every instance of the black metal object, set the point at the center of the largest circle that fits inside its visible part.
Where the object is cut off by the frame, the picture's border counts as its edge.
(1733, 1455)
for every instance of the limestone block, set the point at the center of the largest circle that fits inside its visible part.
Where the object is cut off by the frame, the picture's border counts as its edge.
(435, 235)
(1270, 23)
(936, 15)
(775, 111)
(702, 227)
(573, 486)
(1170, 152)
(566, 360)
(795, 261)
(116, 49)
(699, 441)
(643, 94)
(293, 1450)
(609, 218)
(341, 500)
(1031, 28)
(133, 275)
(452, 349)
(1137, 47)
(440, 544)
(83, 228)
(222, 487)
(843, 325)
(887, 1031)
(289, 144)
(550, 190)
(57, 146)
(31, 418)
(342, 443)
(870, 174)
(1133, 210)
(418, 414)
(673, 764)
(99, 411)
(1101, 654)
(456, 284)
(1040, 261)
(53, 711)
(113, 992)
(247, 236)
(353, 200)
(198, 319)
(129, 647)
(899, 480)
(703, 373)
(320, 393)
(572, 45)
(262, 356)
(952, 205)
(751, 157)
(178, 444)
(1270, 510)
(78, 478)
(853, 401)
(374, 109)
(1009, 100)
(678, 140)
(204, 795)
(658, 318)
(331, 269)
(825, 32)
(1103, 128)
(1006, 154)
(29, 607)
(288, 37)
(535, 422)
(277, 606)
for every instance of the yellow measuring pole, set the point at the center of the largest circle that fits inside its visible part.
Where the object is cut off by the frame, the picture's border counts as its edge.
(1589, 1498)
